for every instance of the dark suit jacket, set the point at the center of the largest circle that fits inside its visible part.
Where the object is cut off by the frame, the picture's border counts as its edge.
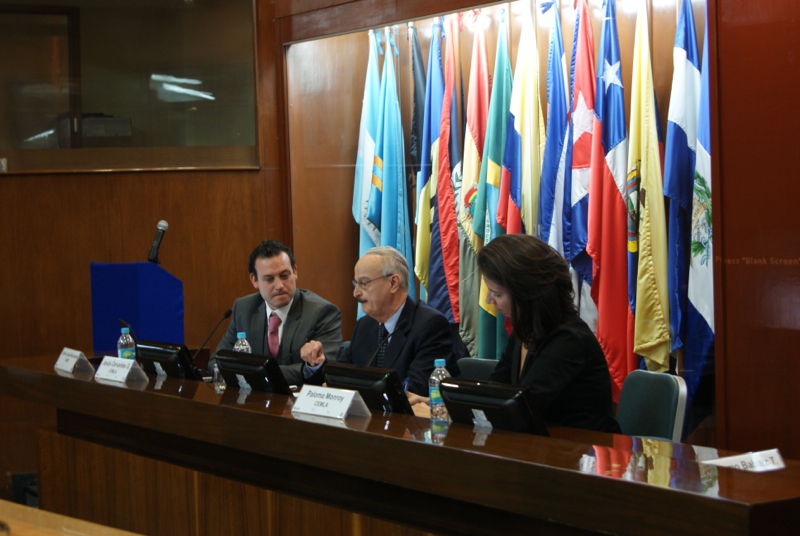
(412, 350)
(310, 317)
(568, 375)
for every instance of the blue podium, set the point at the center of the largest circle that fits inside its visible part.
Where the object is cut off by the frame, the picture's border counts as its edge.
(143, 294)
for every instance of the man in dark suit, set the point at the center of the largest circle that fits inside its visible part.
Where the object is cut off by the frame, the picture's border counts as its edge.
(280, 318)
(418, 334)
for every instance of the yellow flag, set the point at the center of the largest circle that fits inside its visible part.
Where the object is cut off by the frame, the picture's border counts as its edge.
(651, 332)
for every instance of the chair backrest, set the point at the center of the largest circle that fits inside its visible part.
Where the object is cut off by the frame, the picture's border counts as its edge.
(652, 404)
(476, 369)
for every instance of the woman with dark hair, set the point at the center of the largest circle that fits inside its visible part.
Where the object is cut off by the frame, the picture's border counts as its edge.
(551, 350)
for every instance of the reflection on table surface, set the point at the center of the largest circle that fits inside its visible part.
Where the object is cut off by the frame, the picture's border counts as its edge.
(650, 462)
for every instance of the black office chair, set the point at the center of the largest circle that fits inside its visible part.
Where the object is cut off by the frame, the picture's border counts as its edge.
(652, 405)
(476, 369)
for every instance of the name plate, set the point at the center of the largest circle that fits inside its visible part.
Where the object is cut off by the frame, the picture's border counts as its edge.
(329, 402)
(765, 460)
(73, 361)
(114, 369)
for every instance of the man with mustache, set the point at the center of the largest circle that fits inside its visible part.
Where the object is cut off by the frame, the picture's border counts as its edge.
(280, 318)
(417, 334)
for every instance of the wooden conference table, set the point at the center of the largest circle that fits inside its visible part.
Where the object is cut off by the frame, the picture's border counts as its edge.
(27, 521)
(175, 458)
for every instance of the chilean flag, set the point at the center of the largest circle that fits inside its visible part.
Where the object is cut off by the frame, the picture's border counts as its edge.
(607, 220)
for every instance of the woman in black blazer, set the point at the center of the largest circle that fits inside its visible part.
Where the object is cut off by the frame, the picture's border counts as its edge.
(551, 350)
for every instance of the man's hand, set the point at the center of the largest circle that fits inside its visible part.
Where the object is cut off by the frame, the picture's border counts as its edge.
(311, 353)
(420, 405)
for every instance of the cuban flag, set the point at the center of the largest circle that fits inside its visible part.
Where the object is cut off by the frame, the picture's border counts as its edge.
(607, 243)
(576, 194)
(555, 167)
(679, 166)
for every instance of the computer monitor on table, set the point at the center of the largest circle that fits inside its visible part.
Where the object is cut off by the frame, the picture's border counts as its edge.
(506, 407)
(380, 388)
(254, 371)
(165, 358)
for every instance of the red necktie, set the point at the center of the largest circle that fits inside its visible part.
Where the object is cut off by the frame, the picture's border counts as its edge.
(272, 334)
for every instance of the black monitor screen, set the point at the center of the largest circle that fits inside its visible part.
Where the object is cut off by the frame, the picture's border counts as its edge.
(381, 389)
(506, 407)
(165, 358)
(260, 372)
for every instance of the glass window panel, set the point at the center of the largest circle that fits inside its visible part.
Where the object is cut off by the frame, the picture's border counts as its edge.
(111, 76)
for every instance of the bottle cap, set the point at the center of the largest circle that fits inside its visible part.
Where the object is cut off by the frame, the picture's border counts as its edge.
(439, 363)
(125, 330)
(241, 335)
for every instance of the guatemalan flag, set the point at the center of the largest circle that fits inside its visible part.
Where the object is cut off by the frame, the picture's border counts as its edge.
(607, 220)
(365, 159)
(519, 185)
(555, 167)
(684, 107)
(699, 348)
(426, 189)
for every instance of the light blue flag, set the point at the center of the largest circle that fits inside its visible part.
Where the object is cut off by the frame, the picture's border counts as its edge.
(369, 236)
(679, 167)
(554, 165)
(699, 344)
(388, 199)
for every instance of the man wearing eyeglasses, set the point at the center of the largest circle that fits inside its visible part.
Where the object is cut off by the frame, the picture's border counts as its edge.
(395, 332)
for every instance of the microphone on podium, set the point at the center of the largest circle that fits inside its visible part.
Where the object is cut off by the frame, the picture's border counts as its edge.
(400, 326)
(161, 228)
(224, 316)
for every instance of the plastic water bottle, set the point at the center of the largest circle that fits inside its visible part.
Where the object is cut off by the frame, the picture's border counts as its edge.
(126, 348)
(438, 410)
(241, 344)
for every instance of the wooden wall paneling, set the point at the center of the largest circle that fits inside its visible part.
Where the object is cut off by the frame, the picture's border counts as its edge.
(272, 138)
(325, 81)
(115, 488)
(285, 8)
(10, 325)
(233, 508)
(59, 228)
(20, 420)
(361, 15)
(131, 492)
(756, 245)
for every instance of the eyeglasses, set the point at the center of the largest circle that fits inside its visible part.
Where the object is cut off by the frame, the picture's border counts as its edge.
(363, 284)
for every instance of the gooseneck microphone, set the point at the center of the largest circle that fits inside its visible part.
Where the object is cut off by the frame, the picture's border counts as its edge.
(161, 228)
(224, 316)
(400, 326)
